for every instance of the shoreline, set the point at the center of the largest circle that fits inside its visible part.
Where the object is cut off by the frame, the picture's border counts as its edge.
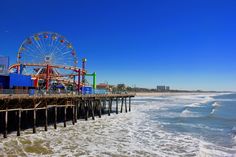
(143, 94)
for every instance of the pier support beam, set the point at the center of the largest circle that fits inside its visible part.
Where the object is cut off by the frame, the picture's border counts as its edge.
(46, 119)
(73, 115)
(34, 120)
(92, 109)
(65, 116)
(129, 104)
(125, 105)
(55, 117)
(122, 103)
(5, 124)
(76, 111)
(109, 108)
(19, 122)
(80, 109)
(104, 106)
(86, 110)
(111, 101)
(99, 108)
(116, 105)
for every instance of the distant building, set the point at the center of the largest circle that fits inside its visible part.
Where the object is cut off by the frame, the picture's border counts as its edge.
(167, 88)
(103, 86)
(163, 88)
(121, 87)
(4, 64)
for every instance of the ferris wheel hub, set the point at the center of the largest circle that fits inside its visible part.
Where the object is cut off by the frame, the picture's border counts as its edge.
(48, 59)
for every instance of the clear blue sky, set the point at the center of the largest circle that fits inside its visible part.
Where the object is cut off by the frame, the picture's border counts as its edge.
(187, 44)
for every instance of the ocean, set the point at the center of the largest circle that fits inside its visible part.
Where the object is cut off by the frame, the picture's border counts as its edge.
(178, 125)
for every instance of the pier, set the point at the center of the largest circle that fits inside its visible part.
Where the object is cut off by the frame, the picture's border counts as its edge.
(20, 112)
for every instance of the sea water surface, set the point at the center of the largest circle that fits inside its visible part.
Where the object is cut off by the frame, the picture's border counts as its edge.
(180, 125)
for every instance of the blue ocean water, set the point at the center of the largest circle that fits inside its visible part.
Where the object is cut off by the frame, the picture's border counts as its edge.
(210, 118)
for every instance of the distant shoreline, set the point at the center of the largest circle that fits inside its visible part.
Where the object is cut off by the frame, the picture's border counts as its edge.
(173, 93)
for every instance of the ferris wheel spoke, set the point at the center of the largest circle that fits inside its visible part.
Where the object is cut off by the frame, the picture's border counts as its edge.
(60, 51)
(52, 44)
(63, 45)
(60, 61)
(33, 50)
(64, 53)
(30, 51)
(38, 46)
(45, 40)
(30, 60)
(56, 45)
(44, 45)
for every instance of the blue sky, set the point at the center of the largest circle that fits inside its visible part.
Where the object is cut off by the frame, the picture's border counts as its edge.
(187, 44)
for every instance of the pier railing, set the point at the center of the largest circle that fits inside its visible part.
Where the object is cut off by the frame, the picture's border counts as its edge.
(40, 92)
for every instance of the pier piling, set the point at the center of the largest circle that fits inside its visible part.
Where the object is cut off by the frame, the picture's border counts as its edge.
(65, 116)
(76, 111)
(92, 109)
(5, 125)
(73, 115)
(55, 117)
(121, 107)
(125, 105)
(99, 108)
(86, 110)
(109, 107)
(34, 120)
(129, 104)
(19, 122)
(104, 106)
(116, 105)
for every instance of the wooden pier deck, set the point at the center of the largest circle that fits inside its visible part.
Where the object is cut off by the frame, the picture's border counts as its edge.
(19, 112)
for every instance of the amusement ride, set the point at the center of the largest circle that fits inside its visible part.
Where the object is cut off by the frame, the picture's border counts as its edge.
(51, 60)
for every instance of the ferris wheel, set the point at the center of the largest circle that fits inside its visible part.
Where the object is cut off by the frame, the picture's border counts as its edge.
(47, 48)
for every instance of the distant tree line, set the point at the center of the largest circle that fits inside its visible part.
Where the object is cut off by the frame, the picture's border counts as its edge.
(123, 88)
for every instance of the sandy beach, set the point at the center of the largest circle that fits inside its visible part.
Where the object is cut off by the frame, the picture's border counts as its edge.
(144, 94)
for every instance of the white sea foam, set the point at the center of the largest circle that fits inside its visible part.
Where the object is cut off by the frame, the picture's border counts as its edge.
(209, 149)
(213, 111)
(234, 128)
(187, 113)
(215, 104)
(196, 104)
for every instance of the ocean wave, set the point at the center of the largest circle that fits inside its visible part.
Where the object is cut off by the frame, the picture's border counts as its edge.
(209, 149)
(216, 104)
(195, 126)
(234, 130)
(196, 104)
(187, 113)
(213, 111)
